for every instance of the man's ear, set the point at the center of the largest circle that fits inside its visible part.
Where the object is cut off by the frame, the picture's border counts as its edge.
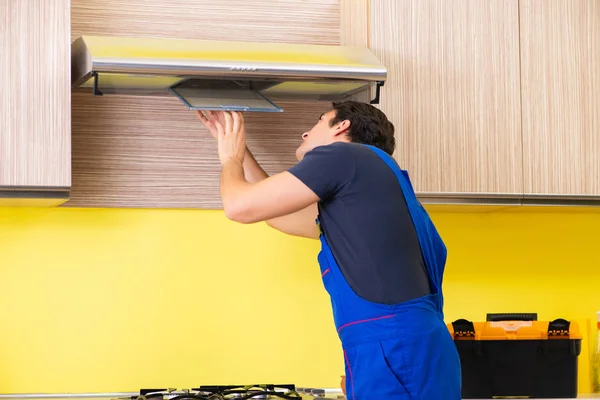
(341, 127)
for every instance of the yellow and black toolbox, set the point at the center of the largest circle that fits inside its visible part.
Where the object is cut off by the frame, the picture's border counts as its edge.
(515, 355)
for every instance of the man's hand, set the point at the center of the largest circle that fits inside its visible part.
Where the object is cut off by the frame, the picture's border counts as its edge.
(232, 138)
(252, 171)
(209, 118)
(228, 128)
(246, 205)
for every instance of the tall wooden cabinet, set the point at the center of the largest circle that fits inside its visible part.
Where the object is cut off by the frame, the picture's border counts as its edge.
(35, 103)
(494, 98)
(453, 93)
(560, 84)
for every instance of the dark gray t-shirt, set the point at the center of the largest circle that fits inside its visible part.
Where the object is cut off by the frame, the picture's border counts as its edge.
(366, 222)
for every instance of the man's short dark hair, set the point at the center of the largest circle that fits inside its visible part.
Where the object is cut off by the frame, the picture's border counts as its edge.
(368, 125)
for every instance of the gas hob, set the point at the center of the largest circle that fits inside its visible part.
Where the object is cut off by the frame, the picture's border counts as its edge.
(237, 392)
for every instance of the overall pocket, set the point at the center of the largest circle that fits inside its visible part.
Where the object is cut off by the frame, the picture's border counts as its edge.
(372, 374)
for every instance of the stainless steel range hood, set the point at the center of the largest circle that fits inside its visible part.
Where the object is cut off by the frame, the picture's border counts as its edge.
(245, 76)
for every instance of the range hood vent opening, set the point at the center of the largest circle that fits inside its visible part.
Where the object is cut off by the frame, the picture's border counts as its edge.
(215, 75)
(224, 94)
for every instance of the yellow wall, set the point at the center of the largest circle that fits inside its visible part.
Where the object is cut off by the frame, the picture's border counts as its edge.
(107, 300)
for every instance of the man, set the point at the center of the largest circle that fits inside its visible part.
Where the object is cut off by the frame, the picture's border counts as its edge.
(381, 258)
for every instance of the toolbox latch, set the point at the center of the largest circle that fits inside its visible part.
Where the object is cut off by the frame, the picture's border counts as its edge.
(463, 328)
(559, 327)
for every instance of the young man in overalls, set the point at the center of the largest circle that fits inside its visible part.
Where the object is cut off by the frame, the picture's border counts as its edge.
(381, 260)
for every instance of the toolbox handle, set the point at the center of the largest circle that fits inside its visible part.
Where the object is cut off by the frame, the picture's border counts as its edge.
(463, 328)
(559, 327)
(493, 317)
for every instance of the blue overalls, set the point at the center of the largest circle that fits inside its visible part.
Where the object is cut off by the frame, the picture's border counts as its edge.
(401, 351)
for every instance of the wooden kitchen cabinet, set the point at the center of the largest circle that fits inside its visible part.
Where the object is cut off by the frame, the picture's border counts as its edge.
(35, 103)
(152, 152)
(453, 93)
(491, 99)
(560, 53)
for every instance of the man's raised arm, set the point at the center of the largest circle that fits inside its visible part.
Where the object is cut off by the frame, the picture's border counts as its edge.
(300, 223)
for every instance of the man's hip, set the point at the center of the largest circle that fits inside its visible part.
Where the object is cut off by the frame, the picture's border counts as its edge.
(421, 365)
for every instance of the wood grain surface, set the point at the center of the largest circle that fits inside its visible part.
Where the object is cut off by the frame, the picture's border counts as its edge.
(35, 103)
(152, 152)
(354, 23)
(158, 155)
(354, 31)
(453, 92)
(560, 53)
(287, 21)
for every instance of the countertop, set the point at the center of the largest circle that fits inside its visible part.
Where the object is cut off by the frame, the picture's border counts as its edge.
(111, 396)
(330, 395)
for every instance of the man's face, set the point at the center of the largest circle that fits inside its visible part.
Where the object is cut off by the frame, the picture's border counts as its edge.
(321, 134)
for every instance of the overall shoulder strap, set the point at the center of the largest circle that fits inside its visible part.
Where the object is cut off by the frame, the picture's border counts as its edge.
(432, 246)
(402, 175)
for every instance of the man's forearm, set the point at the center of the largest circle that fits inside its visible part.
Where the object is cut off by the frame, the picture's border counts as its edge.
(236, 176)
(252, 170)
(233, 184)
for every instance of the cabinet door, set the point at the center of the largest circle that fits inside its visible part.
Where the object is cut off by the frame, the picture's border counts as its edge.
(560, 53)
(35, 104)
(453, 93)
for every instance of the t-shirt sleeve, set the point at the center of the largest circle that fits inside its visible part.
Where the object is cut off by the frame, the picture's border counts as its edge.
(325, 170)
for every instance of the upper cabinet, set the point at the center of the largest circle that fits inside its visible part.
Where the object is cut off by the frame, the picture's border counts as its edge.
(35, 104)
(152, 152)
(493, 100)
(453, 93)
(560, 83)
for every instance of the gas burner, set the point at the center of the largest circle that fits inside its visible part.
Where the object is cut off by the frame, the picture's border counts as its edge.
(312, 391)
(251, 391)
(222, 392)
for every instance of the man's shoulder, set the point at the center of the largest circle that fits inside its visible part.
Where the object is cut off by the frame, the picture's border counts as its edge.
(347, 146)
(344, 148)
(359, 152)
(351, 156)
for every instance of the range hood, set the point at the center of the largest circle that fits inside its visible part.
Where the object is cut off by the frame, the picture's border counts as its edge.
(223, 75)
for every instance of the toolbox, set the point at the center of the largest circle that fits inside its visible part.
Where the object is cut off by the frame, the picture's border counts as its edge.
(515, 355)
